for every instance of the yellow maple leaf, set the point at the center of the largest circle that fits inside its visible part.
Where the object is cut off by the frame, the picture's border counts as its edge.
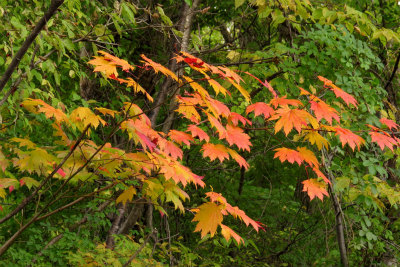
(84, 116)
(127, 195)
(106, 111)
(315, 138)
(208, 217)
(197, 87)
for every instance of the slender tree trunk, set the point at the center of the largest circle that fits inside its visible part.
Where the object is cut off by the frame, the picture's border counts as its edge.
(110, 242)
(340, 236)
(339, 227)
(184, 47)
(187, 15)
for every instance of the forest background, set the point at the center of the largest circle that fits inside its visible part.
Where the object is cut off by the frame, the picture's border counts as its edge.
(127, 127)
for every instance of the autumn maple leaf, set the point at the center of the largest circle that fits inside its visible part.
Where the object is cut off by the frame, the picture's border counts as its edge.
(299, 155)
(315, 138)
(314, 189)
(291, 118)
(308, 156)
(209, 216)
(288, 154)
(227, 233)
(283, 101)
(234, 118)
(158, 67)
(180, 137)
(196, 131)
(214, 151)
(324, 111)
(383, 139)
(105, 66)
(236, 135)
(219, 107)
(389, 123)
(171, 149)
(348, 137)
(239, 159)
(217, 124)
(260, 108)
(347, 98)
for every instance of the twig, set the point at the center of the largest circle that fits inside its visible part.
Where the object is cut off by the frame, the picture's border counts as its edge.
(54, 5)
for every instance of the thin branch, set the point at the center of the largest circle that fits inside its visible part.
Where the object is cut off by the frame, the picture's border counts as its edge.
(54, 5)
(396, 66)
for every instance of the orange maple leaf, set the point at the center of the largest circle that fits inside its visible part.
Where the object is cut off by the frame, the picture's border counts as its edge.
(308, 156)
(107, 67)
(291, 118)
(158, 67)
(219, 107)
(180, 137)
(208, 216)
(260, 108)
(216, 197)
(217, 124)
(196, 87)
(314, 189)
(214, 151)
(136, 87)
(324, 111)
(347, 98)
(218, 88)
(236, 212)
(299, 155)
(389, 123)
(282, 101)
(383, 139)
(320, 174)
(227, 233)
(288, 154)
(120, 62)
(239, 159)
(170, 148)
(234, 118)
(348, 137)
(236, 135)
(196, 131)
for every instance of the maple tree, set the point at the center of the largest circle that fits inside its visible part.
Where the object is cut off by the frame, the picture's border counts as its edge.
(295, 122)
(157, 159)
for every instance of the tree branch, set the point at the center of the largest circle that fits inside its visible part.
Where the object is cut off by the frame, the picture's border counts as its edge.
(54, 5)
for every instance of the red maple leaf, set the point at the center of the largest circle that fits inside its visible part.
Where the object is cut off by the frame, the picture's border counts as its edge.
(389, 123)
(260, 108)
(234, 118)
(282, 101)
(288, 154)
(348, 137)
(383, 139)
(236, 135)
